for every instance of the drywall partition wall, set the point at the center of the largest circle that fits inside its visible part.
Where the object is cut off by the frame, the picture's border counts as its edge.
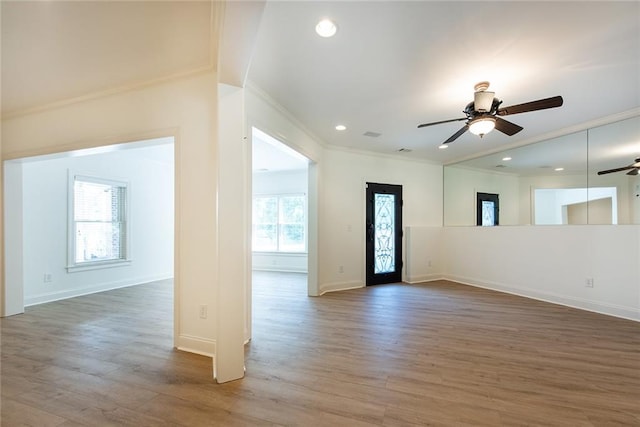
(280, 182)
(342, 208)
(185, 109)
(45, 183)
(552, 263)
(423, 254)
(233, 247)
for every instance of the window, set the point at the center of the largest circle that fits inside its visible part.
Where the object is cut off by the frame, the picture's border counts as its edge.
(279, 223)
(97, 223)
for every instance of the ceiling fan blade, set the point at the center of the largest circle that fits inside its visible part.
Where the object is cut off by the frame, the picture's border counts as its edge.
(440, 122)
(456, 135)
(541, 104)
(507, 127)
(616, 170)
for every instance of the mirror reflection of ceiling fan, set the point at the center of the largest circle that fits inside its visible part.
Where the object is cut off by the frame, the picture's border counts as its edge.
(483, 114)
(634, 169)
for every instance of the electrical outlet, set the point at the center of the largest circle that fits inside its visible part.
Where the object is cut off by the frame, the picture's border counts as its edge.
(48, 277)
(341, 269)
(203, 311)
(429, 263)
(589, 282)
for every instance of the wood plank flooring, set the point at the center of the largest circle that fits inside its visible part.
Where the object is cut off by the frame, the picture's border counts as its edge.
(391, 355)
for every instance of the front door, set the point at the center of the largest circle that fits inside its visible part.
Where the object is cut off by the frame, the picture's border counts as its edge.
(384, 233)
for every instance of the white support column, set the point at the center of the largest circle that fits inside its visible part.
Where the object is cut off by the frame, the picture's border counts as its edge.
(232, 235)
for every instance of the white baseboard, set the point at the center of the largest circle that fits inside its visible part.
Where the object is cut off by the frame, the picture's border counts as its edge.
(281, 269)
(342, 286)
(412, 280)
(102, 287)
(568, 301)
(197, 345)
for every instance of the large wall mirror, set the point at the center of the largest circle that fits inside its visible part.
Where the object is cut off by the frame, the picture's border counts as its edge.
(553, 182)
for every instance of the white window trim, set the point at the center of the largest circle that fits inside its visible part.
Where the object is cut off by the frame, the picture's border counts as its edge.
(72, 265)
(306, 223)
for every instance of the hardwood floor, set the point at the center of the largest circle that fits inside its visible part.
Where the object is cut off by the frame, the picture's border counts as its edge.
(392, 355)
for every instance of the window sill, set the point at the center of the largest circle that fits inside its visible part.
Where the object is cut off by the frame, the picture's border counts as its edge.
(98, 265)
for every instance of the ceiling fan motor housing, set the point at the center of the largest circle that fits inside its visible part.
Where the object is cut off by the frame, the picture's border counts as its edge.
(472, 112)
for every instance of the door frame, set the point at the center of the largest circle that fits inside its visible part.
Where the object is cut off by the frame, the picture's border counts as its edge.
(396, 276)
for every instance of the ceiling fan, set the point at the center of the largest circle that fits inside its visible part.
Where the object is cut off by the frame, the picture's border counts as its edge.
(634, 169)
(482, 114)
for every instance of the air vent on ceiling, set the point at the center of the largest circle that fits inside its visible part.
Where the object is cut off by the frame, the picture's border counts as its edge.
(404, 150)
(372, 134)
(500, 166)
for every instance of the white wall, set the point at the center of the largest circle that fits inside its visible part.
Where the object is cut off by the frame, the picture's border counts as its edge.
(342, 208)
(185, 109)
(551, 263)
(233, 236)
(280, 182)
(149, 172)
(424, 253)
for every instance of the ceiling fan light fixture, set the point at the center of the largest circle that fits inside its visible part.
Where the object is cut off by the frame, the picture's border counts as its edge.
(634, 172)
(443, 146)
(482, 126)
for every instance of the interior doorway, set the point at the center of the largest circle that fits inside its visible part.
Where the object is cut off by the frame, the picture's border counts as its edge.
(280, 206)
(41, 228)
(384, 233)
(283, 222)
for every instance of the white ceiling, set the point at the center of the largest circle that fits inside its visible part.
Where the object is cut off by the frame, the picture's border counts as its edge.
(271, 155)
(393, 65)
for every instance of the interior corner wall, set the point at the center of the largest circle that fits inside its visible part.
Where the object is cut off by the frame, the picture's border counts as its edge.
(552, 263)
(184, 108)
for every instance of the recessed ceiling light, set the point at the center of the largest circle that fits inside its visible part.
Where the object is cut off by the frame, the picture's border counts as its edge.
(326, 28)
(443, 146)
(341, 127)
(506, 159)
(558, 169)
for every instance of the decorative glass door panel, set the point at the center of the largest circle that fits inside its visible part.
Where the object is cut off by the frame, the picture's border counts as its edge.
(384, 240)
(384, 233)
